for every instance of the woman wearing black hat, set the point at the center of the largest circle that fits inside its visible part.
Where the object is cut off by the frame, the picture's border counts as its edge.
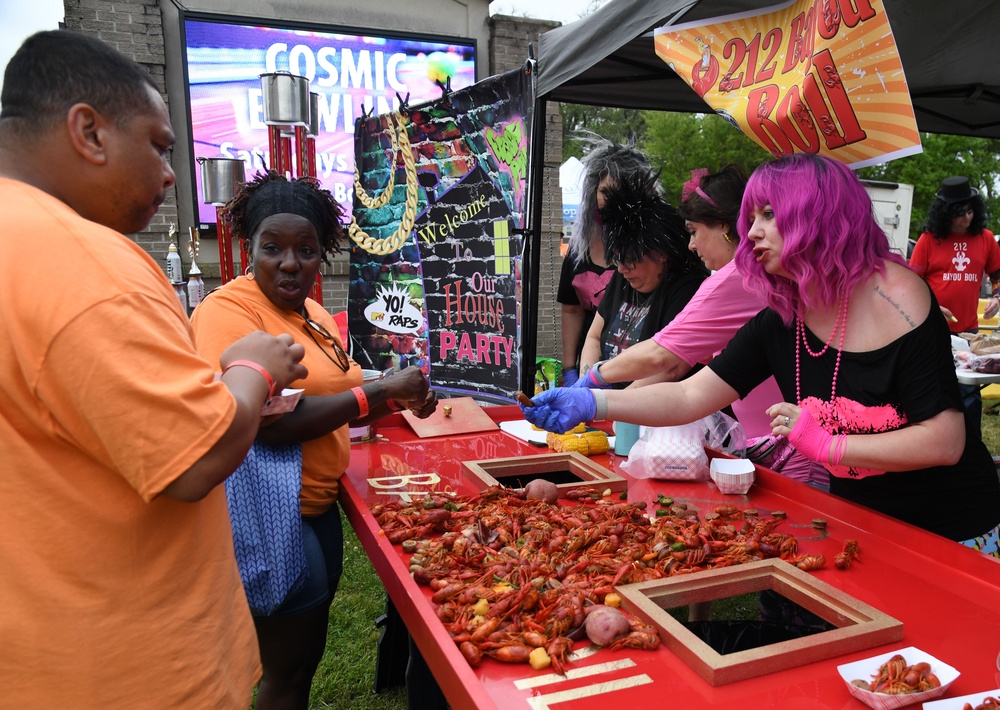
(952, 255)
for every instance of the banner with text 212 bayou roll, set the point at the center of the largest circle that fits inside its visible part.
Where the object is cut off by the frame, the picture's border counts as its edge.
(437, 234)
(809, 76)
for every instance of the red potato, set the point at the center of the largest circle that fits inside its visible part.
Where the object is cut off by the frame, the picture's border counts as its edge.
(604, 625)
(540, 489)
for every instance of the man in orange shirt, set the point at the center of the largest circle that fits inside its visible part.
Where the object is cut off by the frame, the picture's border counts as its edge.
(119, 586)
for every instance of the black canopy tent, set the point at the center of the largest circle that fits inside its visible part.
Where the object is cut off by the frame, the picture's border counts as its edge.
(608, 59)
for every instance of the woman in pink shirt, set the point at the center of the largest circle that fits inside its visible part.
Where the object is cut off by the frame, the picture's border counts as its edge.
(721, 306)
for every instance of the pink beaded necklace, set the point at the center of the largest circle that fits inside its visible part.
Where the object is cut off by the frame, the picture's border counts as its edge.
(800, 332)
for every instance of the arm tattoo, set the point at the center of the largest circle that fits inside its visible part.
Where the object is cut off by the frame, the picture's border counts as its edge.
(895, 304)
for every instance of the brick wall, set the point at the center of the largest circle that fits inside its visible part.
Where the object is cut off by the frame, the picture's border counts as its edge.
(509, 40)
(135, 29)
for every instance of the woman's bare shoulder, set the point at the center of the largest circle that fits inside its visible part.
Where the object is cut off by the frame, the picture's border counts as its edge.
(898, 298)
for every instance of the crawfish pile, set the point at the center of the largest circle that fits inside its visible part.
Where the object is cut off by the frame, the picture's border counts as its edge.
(511, 575)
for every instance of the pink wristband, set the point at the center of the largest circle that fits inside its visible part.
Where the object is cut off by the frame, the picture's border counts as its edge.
(359, 394)
(812, 440)
(271, 384)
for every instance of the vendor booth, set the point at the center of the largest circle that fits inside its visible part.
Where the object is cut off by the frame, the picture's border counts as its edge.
(609, 59)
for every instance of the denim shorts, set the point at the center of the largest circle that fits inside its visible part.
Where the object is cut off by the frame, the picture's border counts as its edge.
(323, 543)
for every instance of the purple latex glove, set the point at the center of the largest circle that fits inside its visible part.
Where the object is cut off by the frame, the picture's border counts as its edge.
(570, 377)
(560, 409)
(593, 380)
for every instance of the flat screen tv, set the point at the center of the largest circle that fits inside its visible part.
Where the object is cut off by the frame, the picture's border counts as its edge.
(353, 71)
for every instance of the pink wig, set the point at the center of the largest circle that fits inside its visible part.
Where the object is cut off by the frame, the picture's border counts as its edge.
(832, 241)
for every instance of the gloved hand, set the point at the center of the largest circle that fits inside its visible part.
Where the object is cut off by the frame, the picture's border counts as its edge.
(560, 409)
(593, 380)
(570, 377)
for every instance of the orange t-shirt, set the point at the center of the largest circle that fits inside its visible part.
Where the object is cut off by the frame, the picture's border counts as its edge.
(111, 596)
(239, 308)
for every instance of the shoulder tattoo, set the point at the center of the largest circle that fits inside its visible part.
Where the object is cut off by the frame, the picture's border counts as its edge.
(895, 304)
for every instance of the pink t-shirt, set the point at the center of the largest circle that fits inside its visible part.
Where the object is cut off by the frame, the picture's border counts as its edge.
(707, 324)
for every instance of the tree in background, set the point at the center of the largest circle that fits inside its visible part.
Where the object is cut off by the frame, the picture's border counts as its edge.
(678, 143)
(945, 155)
(620, 125)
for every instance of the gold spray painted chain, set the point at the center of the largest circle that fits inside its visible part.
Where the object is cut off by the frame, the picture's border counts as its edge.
(400, 143)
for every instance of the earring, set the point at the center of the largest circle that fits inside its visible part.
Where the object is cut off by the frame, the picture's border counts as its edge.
(728, 238)
(248, 272)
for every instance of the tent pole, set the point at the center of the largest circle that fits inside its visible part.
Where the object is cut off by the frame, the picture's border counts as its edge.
(532, 250)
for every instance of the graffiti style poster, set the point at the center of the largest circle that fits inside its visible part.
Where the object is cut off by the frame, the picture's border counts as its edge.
(808, 76)
(437, 236)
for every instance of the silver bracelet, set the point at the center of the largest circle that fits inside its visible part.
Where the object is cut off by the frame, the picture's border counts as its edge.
(601, 405)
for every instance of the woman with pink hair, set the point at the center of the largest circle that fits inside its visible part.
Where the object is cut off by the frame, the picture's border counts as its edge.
(860, 351)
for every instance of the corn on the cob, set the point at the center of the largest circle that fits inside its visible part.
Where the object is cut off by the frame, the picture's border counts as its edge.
(576, 443)
(597, 441)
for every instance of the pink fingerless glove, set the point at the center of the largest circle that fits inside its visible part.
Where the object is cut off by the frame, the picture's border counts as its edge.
(814, 442)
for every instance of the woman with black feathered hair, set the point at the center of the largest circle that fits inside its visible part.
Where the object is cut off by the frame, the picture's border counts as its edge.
(645, 239)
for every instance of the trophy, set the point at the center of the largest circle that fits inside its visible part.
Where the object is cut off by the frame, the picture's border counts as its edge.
(195, 286)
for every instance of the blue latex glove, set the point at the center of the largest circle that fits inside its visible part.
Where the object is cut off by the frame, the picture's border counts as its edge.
(560, 409)
(570, 377)
(593, 380)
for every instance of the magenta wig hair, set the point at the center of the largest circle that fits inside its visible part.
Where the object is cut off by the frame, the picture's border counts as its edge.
(832, 241)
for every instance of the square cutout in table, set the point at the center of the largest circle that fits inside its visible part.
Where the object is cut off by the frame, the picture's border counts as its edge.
(567, 470)
(859, 626)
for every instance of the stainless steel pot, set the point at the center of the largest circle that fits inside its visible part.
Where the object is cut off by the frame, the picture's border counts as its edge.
(221, 178)
(286, 99)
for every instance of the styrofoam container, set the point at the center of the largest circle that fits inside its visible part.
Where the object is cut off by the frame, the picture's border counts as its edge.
(734, 476)
(866, 669)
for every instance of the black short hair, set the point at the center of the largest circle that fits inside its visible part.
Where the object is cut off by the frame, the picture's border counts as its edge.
(55, 69)
(327, 210)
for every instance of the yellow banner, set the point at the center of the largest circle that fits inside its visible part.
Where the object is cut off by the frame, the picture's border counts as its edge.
(808, 76)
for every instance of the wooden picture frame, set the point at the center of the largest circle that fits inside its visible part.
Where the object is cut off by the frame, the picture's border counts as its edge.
(504, 472)
(859, 626)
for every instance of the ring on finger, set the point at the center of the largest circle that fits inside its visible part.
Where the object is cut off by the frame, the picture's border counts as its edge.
(787, 420)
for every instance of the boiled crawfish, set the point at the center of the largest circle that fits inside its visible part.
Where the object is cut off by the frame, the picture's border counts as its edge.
(851, 552)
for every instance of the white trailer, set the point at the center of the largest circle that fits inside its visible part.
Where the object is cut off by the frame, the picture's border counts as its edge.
(892, 202)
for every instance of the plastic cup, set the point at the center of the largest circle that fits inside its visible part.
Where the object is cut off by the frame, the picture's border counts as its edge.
(626, 434)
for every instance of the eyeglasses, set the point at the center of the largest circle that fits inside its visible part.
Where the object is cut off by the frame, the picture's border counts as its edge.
(342, 361)
(962, 211)
(627, 265)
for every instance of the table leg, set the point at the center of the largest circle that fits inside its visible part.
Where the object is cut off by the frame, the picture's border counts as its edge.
(393, 652)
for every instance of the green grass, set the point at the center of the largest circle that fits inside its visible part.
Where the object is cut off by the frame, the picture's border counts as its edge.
(346, 675)
(991, 425)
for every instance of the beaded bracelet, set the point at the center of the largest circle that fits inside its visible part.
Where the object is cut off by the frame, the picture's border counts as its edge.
(359, 394)
(271, 384)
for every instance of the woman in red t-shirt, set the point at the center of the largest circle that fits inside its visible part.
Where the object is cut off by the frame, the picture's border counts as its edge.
(951, 256)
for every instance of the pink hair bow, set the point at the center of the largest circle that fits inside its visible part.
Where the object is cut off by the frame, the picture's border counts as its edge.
(694, 186)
